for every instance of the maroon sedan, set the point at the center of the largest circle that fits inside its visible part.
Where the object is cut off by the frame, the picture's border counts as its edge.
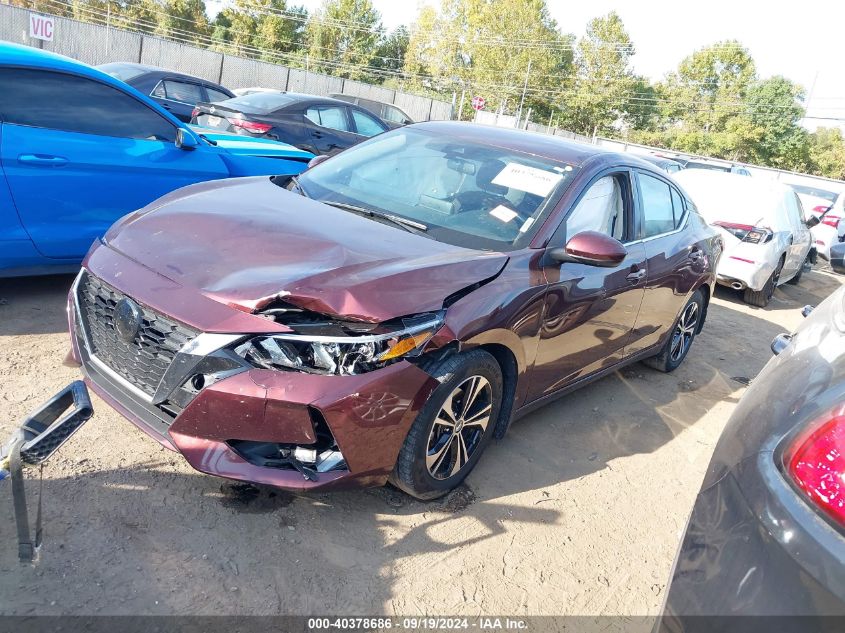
(385, 315)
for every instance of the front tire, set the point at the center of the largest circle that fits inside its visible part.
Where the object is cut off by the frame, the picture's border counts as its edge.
(453, 428)
(680, 340)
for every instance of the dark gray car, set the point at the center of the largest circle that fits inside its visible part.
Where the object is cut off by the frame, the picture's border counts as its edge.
(767, 532)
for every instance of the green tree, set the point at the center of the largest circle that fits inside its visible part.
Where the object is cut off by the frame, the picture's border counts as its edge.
(184, 19)
(234, 29)
(827, 153)
(709, 87)
(343, 37)
(775, 106)
(280, 28)
(467, 47)
(605, 83)
(139, 15)
(390, 54)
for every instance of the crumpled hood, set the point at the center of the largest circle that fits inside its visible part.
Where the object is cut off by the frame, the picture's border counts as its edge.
(245, 242)
(247, 146)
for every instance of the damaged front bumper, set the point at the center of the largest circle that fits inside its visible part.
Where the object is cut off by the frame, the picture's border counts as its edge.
(283, 428)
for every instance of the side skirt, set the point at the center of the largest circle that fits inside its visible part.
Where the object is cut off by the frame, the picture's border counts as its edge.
(537, 404)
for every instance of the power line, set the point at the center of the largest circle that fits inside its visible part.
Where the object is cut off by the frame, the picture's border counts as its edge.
(184, 36)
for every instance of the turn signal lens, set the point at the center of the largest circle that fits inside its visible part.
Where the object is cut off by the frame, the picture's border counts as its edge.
(406, 345)
(817, 465)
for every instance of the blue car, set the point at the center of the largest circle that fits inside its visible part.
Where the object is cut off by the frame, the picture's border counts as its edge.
(79, 149)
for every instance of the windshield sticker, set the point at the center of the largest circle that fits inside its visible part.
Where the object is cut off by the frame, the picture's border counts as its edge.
(526, 225)
(503, 213)
(530, 179)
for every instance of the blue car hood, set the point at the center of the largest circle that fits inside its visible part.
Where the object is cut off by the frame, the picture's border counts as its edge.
(247, 146)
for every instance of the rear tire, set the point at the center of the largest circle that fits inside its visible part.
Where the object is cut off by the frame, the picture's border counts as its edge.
(681, 337)
(797, 278)
(453, 428)
(760, 298)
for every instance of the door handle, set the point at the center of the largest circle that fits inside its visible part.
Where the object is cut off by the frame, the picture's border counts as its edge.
(317, 134)
(637, 276)
(43, 160)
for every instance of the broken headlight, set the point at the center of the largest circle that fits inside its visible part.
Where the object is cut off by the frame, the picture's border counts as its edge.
(341, 355)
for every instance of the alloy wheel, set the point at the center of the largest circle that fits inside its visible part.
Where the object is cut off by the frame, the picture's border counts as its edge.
(459, 427)
(684, 332)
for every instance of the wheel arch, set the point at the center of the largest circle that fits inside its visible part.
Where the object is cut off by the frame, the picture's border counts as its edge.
(510, 377)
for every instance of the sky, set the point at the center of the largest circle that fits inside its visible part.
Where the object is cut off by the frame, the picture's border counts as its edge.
(803, 41)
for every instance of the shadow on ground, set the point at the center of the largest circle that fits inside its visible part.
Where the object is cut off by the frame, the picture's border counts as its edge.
(147, 536)
(34, 305)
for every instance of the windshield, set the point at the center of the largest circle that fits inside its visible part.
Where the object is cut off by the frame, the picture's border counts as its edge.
(465, 193)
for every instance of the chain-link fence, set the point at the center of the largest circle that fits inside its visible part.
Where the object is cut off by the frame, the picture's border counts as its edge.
(97, 44)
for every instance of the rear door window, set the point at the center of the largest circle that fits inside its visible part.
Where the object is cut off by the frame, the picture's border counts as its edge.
(333, 117)
(182, 91)
(60, 101)
(658, 212)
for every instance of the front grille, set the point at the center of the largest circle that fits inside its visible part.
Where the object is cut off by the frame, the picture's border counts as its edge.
(141, 362)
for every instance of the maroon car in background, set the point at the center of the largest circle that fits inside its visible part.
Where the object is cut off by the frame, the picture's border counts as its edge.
(386, 314)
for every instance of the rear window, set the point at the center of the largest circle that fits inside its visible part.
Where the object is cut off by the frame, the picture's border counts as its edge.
(216, 96)
(124, 72)
(693, 165)
(830, 196)
(259, 102)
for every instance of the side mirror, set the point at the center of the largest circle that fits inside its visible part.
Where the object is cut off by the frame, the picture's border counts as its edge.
(591, 248)
(185, 140)
(317, 160)
(812, 221)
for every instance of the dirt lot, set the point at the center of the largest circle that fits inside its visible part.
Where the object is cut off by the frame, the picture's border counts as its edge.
(578, 511)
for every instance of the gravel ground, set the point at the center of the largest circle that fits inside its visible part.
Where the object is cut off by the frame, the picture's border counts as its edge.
(578, 511)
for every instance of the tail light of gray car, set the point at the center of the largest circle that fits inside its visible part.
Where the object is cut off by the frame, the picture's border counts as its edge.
(815, 461)
(747, 232)
(250, 126)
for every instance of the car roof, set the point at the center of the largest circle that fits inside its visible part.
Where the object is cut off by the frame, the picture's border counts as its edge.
(139, 66)
(20, 55)
(549, 146)
(155, 70)
(659, 160)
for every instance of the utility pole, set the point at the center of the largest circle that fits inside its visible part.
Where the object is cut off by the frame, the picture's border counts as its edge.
(524, 88)
(810, 94)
